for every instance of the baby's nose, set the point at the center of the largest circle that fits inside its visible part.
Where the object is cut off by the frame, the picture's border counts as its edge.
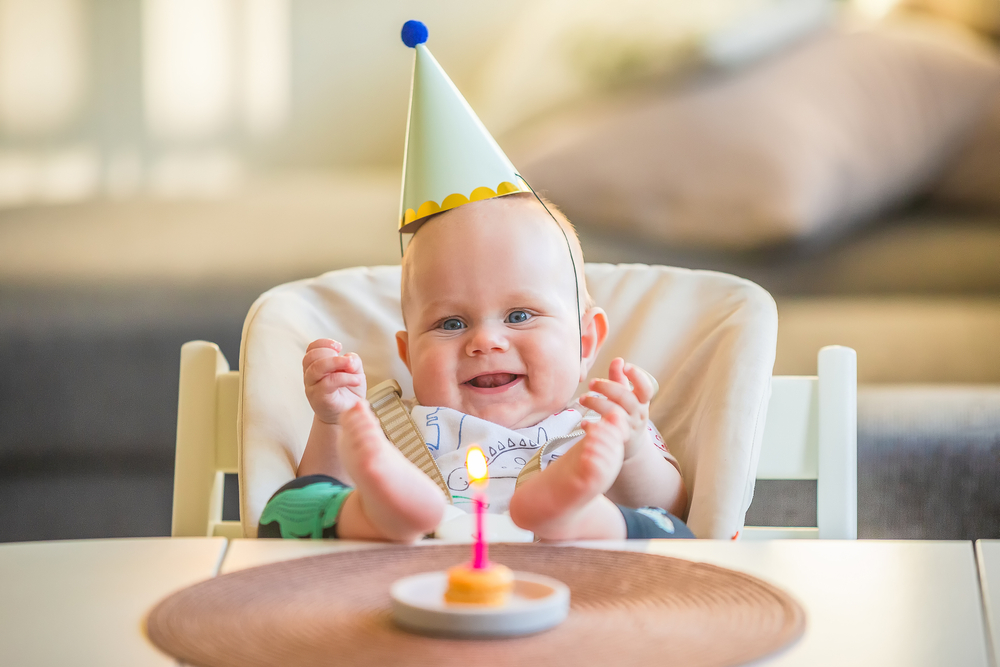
(487, 338)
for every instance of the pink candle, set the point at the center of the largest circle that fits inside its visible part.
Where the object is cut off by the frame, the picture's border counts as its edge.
(475, 464)
(479, 557)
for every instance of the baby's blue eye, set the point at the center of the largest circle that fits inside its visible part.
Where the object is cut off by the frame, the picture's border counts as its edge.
(517, 317)
(452, 324)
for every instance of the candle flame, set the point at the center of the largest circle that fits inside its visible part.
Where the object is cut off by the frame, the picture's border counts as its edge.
(475, 463)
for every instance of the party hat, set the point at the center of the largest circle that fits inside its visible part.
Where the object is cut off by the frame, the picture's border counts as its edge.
(451, 158)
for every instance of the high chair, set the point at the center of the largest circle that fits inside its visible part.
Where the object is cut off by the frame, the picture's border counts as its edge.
(811, 432)
(708, 338)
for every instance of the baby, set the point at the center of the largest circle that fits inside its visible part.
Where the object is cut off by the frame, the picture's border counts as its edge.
(497, 328)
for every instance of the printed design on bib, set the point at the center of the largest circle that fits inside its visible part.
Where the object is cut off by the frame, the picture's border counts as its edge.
(432, 434)
(503, 459)
(449, 434)
(432, 430)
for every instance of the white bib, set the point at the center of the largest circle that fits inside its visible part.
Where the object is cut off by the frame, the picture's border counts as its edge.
(449, 434)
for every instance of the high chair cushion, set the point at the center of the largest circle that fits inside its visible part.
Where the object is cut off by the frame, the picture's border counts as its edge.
(708, 338)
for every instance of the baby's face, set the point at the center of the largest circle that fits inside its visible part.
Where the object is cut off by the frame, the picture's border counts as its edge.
(491, 316)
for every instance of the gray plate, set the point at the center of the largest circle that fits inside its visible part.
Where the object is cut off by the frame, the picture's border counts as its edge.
(537, 603)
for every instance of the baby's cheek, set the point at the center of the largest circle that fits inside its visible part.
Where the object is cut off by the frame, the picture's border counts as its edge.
(432, 388)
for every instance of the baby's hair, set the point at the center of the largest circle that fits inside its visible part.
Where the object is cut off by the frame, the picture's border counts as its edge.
(585, 300)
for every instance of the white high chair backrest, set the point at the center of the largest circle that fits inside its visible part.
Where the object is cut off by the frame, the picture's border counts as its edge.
(207, 405)
(708, 338)
(812, 433)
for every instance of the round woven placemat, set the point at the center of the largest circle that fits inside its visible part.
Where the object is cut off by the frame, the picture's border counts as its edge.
(626, 608)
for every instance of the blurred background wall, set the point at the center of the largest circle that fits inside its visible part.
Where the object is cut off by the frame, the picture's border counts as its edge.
(163, 162)
(121, 97)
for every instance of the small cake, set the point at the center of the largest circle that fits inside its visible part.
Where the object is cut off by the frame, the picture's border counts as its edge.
(486, 586)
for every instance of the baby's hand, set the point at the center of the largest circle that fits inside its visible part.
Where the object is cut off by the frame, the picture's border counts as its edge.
(628, 404)
(333, 382)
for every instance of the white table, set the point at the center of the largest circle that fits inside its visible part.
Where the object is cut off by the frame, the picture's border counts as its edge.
(867, 602)
(85, 602)
(872, 602)
(246, 553)
(883, 603)
(988, 560)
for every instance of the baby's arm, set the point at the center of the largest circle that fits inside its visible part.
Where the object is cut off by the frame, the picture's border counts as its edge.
(333, 384)
(646, 477)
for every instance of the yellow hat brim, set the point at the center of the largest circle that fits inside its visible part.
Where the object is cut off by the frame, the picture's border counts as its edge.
(413, 218)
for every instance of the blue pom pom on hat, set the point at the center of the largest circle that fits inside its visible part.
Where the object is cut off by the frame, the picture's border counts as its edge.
(413, 33)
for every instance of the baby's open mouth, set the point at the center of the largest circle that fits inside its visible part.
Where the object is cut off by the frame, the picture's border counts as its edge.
(492, 380)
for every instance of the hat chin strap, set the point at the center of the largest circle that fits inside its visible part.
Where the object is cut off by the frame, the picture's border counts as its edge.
(569, 247)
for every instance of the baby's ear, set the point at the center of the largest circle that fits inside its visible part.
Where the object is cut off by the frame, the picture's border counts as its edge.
(594, 331)
(403, 348)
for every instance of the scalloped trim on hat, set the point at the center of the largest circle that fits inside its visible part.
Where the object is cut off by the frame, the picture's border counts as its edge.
(430, 207)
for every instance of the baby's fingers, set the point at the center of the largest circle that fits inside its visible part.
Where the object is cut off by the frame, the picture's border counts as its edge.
(353, 362)
(642, 383)
(610, 412)
(348, 363)
(602, 431)
(315, 354)
(616, 372)
(317, 369)
(322, 347)
(619, 393)
(340, 366)
(325, 343)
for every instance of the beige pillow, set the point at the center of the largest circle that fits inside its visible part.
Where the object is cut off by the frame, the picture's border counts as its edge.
(708, 338)
(972, 178)
(826, 135)
(559, 52)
